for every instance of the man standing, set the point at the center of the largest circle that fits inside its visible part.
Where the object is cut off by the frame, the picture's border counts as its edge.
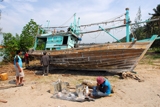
(45, 63)
(19, 69)
(26, 57)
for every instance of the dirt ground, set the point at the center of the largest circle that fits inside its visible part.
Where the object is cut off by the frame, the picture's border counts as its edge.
(128, 92)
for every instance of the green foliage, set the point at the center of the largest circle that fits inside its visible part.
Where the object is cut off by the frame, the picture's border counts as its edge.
(41, 44)
(146, 31)
(156, 50)
(27, 37)
(150, 58)
(11, 44)
(22, 42)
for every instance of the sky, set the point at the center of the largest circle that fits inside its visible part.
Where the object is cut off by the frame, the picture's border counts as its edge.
(15, 14)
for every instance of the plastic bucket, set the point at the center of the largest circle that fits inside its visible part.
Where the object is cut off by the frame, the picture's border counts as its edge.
(3, 76)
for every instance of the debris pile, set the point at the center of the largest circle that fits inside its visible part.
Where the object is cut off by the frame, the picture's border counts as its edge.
(131, 75)
(60, 90)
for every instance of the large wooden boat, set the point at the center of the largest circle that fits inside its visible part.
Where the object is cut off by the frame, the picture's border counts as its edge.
(112, 57)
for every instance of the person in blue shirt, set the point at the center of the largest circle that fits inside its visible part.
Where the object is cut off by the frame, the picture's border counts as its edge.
(102, 89)
(19, 69)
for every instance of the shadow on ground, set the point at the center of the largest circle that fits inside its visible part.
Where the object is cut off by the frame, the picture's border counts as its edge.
(39, 71)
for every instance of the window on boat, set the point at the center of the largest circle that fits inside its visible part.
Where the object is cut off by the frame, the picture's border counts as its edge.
(47, 48)
(65, 40)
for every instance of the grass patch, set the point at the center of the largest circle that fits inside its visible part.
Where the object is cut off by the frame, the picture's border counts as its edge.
(150, 58)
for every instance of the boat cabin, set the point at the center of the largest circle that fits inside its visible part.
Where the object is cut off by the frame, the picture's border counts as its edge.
(58, 41)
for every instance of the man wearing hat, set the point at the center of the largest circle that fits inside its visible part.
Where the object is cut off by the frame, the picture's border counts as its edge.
(45, 63)
(102, 89)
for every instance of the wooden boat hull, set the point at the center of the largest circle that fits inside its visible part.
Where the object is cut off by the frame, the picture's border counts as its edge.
(112, 57)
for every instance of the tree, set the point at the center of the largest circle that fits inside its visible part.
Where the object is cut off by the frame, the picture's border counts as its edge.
(11, 44)
(154, 27)
(22, 42)
(41, 44)
(27, 37)
(149, 29)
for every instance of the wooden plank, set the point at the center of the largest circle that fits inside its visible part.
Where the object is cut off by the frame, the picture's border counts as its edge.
(93, 59)
(3, 101)
(95, 48)
(92, 65)
(114, 53)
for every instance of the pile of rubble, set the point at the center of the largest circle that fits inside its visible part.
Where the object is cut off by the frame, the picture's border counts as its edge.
(61, 90)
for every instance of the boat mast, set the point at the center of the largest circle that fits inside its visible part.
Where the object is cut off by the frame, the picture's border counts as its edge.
(127, 25)
(74, 24)
(48, 25)
(78, 29)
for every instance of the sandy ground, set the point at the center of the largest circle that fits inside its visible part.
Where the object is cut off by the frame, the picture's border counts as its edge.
(128, 92)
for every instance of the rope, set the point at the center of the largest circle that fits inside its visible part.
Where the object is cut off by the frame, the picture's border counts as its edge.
(85, 29)
(95, 36)
(92, 24)
(67, 21)
(117, 29)
(106, 22)
(117, 17)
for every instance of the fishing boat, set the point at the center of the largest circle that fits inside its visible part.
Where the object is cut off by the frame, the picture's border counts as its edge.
(62, 47)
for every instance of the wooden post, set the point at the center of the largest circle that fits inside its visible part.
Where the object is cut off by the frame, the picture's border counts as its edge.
(3, 101)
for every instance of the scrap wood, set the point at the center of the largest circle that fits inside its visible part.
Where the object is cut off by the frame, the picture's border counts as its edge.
(66, 75)
(7, 87)
(90, 84)
(77, 95)
(3, 101)
(131, 75)
(71, 87)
